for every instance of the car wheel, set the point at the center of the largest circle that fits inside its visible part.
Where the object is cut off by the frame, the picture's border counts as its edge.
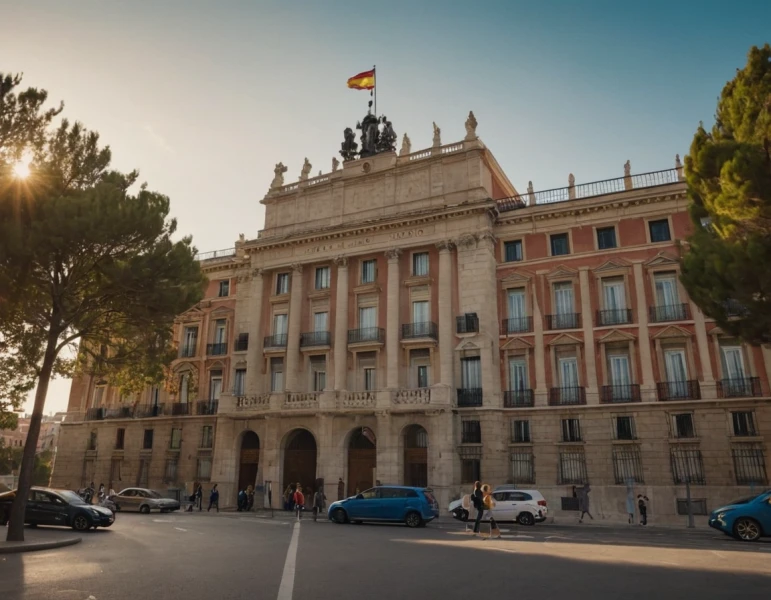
(339, 516)
(746, 529)
(81, 523)
(413, 519)
(525, 518)
(144, 509)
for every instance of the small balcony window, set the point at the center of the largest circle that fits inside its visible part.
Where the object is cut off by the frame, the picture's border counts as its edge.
(282, 283)
(368, 268)
(224, 290)
(322, 278)
(659, 231)
(606, 238)
(420, 264)
(560, 245)
(512, 251)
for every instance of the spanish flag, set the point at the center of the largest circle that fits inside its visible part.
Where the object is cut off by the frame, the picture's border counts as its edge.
(362, 81)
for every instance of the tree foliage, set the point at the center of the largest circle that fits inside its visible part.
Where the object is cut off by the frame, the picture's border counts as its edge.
(86, 255)
(728, 171)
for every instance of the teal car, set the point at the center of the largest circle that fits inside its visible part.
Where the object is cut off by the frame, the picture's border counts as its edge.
(747, 519)
(413, 506)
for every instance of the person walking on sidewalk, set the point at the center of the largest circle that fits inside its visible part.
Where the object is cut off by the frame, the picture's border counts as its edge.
(489, 503)
(477, 502)
(199, 497)
(299, 501)
(340, 489)
(214, 499)
(643, 506)
(319, 500)
(583, 501)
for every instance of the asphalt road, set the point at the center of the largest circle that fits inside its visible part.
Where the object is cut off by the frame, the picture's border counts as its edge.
(199, 556)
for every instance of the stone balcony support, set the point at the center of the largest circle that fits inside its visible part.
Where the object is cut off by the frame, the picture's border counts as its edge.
(254, 352)
(292, 382)
(445, 314)
(392, 320)
(341, 327)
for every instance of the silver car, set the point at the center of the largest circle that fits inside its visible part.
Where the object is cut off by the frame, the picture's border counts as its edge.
(143, 500)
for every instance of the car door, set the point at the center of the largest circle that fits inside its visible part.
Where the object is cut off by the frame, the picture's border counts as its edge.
(393, 503)
(45, 510)
(764, 514)
(33, 513)
(366, 505)
(519, 501)
(127, 500)
(502, 510)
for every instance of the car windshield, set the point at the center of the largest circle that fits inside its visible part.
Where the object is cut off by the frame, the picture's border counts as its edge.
(71, 497)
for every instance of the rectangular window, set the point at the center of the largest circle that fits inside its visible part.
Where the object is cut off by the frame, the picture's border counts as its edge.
(627, 465)
(571, 430)
(559, 244)
(606, 238)
(667, 297)
(624, 428)
(320, 322)
(190, 341)
(319, 381)
(176, 439)
(115, 465)
(184, 387)
(512, 251)
(170, 476)
(322, 278)
(120, 439)
(368, 271)
(732, 360)
(749, 465)
(239, 382)
(98, 396)
(318, 373)
(520, 432)
(207, 436)
(224, 288)
(518, 375)
(420, 264)
(659, 231)
(744, 423)
(564, 304)
(517, 309)
(219, 331)
(470, 470)
(147, 442)
(572, 466)
(614, 298)
(471, 432)
(618, 367)
(282, 283)
(215, 385)
(522, 468)
(420, 318)
(367, 317)
(471, 373)
(568, 372)
(698, 506)
(687, 465)
(204, 468)
(280, 324)
(682, 425)
(369, 379)
(92, 440)
(276, 374)
(422, 376)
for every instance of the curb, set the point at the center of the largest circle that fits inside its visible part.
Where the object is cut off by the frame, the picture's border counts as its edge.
(16, 547)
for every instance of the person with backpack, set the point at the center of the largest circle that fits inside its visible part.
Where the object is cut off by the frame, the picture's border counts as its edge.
(641, 504)
(476, 502)
(299, 501)
(489, 503)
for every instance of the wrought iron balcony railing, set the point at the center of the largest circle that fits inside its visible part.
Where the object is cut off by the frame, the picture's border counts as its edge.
(614, 316)
(566, 396)
(469, 397)
(518, 325)
(564, 321)
(206, 407)
(242, 343)
(187, 351)
(315, 338)
(610, 394)
(218, 349)
(366, 334)
(423, 329)
(180, 408)
(744, 387)
(517, 398)
(95, 414)
(669, 312)
(275, 341)
(468, 323)
(679, 390)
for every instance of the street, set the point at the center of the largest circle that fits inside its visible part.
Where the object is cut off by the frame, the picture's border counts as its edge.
(201, 556)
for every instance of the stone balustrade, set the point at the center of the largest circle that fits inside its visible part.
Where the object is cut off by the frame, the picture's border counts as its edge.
(358, 399)
(258, 402)
(301, 400)
(418, 396)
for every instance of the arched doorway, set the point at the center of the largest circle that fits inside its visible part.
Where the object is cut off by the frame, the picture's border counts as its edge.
(362, 460)
(249, 461)
(300, 460)
(415, 456)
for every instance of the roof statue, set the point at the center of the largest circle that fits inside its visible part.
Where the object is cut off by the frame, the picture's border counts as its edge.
(335, 164)
(278, 177)
(437, 136)
(306, 170)
(406, 146)
(530, 187)
(678, 164)
(349, 147)
(387, 142)
(377, 135)
(571, 180)
(627, 169)
(471, 127)
(370, 135)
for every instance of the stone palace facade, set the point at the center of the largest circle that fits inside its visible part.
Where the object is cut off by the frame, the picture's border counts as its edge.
(411, 318)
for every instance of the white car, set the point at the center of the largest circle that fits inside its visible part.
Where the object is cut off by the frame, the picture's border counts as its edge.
(526, 507)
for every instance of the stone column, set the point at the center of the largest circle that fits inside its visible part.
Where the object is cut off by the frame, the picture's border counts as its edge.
(292, 377)
(648, 384)
(588, 326)
(392, 320)
(445, 313)
(341, 326)
(254, 353)
(708, 389)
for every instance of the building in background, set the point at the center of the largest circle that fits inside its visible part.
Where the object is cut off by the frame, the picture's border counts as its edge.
(16, 438)
(414, 319)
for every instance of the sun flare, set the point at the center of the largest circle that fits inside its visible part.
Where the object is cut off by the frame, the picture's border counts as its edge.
(21, 168)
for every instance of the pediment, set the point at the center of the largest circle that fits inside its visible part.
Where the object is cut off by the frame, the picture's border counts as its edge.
(565, 340)
(562, 272)
(191, 314)
(220, 310)
(465, 346)
(614, 264)
(673, 331)
(615, 335)
(662, 259)
(519, 277)
(517, 344)
(217, 364)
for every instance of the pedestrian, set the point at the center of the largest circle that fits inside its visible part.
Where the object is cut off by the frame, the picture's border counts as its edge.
(214, 498)
(582, 494)
(249, 498)
(319, 502)
(340, 489)
(630, 500)
(241, 500)
(489, 503)
(477, 502)
(299, 501)
(101, 492)
(643, 506)
(288, 497)
(199, 497)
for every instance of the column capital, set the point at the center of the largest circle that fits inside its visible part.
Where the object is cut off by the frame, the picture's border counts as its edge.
(258, 272)
(393, 253)
(297, 267)
(341, 262)
(467, 240)
(445, 245)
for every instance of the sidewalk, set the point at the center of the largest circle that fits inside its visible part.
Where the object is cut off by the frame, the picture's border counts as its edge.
(38, 539)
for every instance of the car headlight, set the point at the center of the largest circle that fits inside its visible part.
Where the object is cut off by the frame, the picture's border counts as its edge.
(95, 512)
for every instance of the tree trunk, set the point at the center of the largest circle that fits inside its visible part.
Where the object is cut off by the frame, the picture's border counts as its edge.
(16, 522)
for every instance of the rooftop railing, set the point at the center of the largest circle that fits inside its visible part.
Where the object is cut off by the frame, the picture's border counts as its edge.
(226, 253)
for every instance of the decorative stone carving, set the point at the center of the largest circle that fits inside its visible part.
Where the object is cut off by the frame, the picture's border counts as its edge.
(387, 141)
(335, 164)
(530, 188)
(406, 146)
(471, 127)
(370, 135)
(530, 194)
(297, 267)
(393, 253)
(437, 136)
(341, 262)
(349, 148)
(679, 167)
(445, 245)
(571, 187)
(571, 180)
(241, 237)
(467, 240)
(417, 396)
(259, 402)
(359, 399)
(278, 176)
(306, 170)
(627, 169)
(301, 400)
(257, 272)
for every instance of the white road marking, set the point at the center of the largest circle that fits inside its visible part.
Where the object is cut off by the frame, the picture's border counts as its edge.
(287, 579)
(180, 529)
(162, 521)
(265, 522)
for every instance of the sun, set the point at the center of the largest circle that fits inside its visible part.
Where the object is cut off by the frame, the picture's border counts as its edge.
(21, 168)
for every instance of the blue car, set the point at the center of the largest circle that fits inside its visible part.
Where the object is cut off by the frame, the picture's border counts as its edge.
(747, 519)
(413, 506)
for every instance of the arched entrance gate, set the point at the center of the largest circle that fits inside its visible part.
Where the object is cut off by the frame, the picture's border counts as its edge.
(415, 456)
(300, 461)
(249, 460)
(362, 460)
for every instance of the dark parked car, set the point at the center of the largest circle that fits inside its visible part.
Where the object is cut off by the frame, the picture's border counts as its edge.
(57, 507)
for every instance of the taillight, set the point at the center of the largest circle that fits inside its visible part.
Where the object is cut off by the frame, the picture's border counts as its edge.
(542, 503)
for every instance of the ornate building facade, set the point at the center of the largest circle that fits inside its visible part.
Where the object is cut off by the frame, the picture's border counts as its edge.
(413, 319)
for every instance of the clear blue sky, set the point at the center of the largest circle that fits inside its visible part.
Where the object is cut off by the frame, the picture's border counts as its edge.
(205, 97)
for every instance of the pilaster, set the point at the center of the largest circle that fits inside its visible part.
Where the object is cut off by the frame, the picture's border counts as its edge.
(392, 320)
(341, 326)
(646, 361)
(588, 327)
(254, 353)
(446, 337)
(293, 381)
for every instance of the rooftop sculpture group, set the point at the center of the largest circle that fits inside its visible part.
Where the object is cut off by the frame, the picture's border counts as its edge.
(377, 135)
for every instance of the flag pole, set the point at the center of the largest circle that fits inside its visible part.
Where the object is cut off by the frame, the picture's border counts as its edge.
(374, 81)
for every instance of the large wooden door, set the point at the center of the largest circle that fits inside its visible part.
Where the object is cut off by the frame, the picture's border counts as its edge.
(249, 460)
(362, 460)
(300, 461)
(416, 456)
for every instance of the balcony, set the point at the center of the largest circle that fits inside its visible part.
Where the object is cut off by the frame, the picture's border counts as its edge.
(149, 410)
(469, 397)
(424, 329)
(242, 343)
(669, 312)
(187, 351)
(734, 308)
(615, 316)
(95, 414)
(678, 390)
(275, 341)
(613, 394)
(567, 396)
(517, 398)
(517, 325)
(372, 335)
(179, 409)
(315, 338)
(119, 412)
(468, 323)
(563, 321)
(744, 387)
(206, 407)
(219, 349)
